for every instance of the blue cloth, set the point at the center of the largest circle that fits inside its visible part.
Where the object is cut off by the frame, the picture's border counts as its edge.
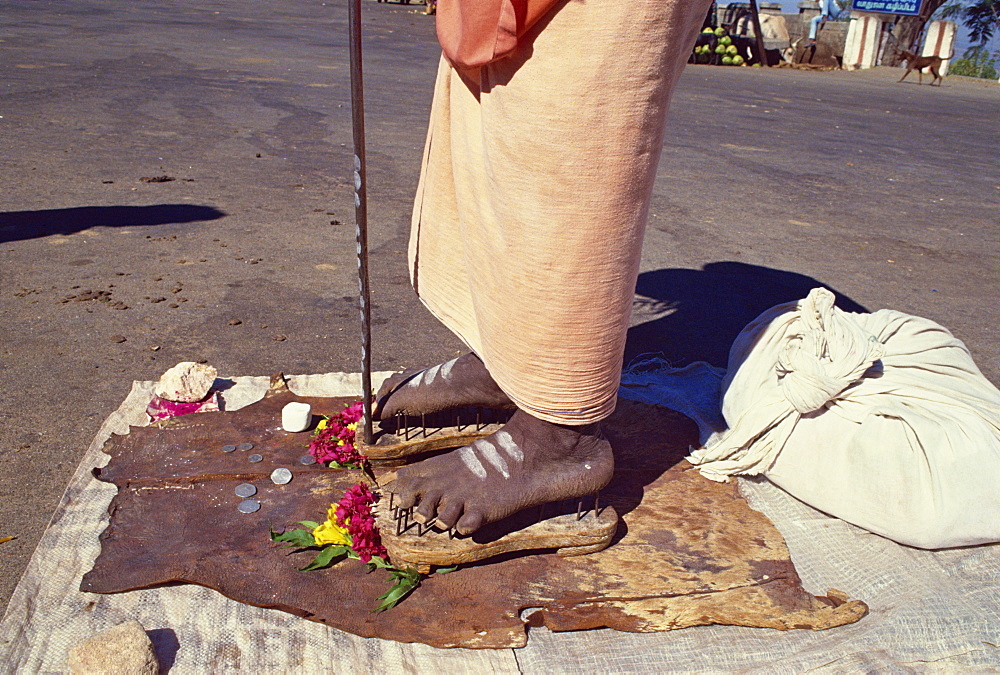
(827, 10)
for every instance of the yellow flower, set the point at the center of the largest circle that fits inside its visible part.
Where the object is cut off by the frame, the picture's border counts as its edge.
(331, 533)
(323, 424)
(353, 426)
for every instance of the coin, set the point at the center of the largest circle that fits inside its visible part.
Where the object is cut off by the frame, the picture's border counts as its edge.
(307, 460)
(245, 446)
(281, 476)
(245, 490)
(255, 458)
(248, 506)
(228, 448)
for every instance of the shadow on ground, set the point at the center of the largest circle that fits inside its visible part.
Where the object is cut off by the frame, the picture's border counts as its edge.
(20, 225)
(707, 308)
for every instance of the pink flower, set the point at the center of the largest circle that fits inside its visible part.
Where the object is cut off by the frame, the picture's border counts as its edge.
(334, 441)
(354, 512)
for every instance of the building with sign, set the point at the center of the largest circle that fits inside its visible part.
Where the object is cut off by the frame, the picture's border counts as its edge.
(869, 32)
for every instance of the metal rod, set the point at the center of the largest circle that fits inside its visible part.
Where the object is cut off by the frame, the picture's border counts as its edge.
(361, 211)
(758, 33)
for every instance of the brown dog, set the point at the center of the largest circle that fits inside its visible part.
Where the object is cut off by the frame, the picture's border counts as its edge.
(918, 63)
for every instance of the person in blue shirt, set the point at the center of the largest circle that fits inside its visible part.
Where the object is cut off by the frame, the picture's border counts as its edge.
(827, 10)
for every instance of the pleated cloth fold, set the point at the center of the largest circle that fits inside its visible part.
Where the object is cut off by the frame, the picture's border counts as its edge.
(534, 193)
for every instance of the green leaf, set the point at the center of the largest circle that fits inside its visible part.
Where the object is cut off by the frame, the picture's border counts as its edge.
(445, 570)
(338, 465)
(312, 525)
(399, 590)
(409, 575)
(301, 538)
(325, 558)
(379, 563)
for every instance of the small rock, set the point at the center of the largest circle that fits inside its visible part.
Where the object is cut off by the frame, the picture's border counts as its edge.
(186, 382)
(123, 649)
(173, 305)
(160, 299)
(235, 322)
(118, 338)
(279, 338)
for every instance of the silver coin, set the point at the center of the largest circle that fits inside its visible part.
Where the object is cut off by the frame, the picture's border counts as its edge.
(255, 458)
(248, 506)
(245, 446)
(306, 460)
(228, 448)
(281, 476)
(245, 490)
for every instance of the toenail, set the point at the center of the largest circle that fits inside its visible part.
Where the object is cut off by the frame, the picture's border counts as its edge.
(586, 466)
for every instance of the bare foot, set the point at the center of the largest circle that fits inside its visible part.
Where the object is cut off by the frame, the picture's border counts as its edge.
(527, 463)
(463, 381)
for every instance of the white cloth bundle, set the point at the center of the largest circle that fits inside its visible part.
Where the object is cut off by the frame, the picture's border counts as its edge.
(881, 419)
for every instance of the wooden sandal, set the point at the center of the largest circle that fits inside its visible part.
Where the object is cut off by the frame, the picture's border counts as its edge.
(570, 531)
(405, 437)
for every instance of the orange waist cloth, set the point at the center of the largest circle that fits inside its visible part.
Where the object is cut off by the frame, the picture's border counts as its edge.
(533, 196)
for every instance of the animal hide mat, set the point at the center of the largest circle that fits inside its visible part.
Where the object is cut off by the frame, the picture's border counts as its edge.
(688, 551)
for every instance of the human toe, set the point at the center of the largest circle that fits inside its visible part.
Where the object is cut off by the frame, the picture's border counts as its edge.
(449, 512)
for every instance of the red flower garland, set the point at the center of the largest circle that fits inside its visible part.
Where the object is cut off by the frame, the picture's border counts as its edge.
(354, 512)
(334, 440)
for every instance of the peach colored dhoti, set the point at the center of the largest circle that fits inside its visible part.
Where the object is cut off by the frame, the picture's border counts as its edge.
(533, 197)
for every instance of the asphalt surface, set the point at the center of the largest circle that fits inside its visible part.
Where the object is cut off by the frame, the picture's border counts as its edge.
(771, 182)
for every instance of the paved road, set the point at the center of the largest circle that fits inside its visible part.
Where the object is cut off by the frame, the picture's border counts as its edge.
(771, 182)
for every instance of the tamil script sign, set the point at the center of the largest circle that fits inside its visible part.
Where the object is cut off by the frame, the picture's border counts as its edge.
(909, 7)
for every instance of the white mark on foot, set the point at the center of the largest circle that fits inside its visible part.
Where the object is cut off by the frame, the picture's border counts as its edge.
(430, 374)
(472, 462)
(417, 379)
(446, 368)
(587, 467)
(503, 437)
(488, 451)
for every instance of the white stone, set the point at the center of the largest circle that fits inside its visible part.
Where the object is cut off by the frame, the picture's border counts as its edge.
(123, 650)
(186, 382)
(296, 416)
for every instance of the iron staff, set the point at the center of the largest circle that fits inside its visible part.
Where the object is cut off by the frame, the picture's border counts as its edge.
(361, 210)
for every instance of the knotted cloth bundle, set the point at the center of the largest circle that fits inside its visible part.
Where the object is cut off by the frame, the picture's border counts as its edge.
(880, 419)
